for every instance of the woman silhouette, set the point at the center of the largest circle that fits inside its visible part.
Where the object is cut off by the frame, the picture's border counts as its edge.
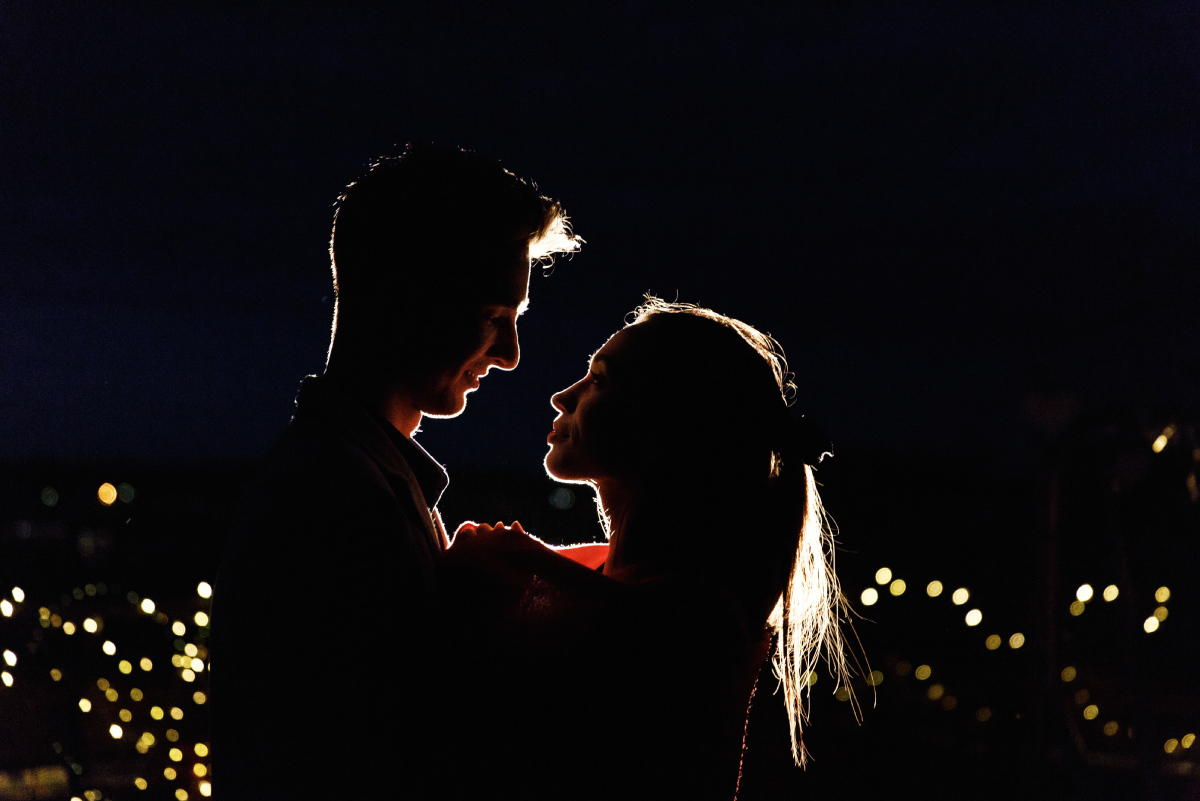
(634, 680)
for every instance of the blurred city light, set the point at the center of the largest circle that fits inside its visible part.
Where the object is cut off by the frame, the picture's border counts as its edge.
(933, 589)
(1111, 592)
(869, 596)
(974, 617)
(883, 575)
(1084, 593)
(897, 587)
(960, 596)
(107, 494)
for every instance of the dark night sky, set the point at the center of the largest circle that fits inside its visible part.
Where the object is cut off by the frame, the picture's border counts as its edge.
(941, 211)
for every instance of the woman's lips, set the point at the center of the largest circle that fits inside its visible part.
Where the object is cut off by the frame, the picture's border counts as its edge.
(555, 435)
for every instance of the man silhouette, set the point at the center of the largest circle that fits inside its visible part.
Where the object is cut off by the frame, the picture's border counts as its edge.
(325, 679)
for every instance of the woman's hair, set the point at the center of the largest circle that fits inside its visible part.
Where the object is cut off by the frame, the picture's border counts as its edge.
(737, 450)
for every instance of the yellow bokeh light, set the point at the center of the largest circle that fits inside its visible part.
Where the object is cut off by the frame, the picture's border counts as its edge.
(148, 606)
(1017, 640)
(205, 789)
(1068, 673)
(200, 697)
(102, 684)
(1187, 740)
(897, 587)
(56, 621)
(875, 678)
(156, 712)
(201, 750)
(90, 626)
(178, 629)
(56, 674)
(842, 693)
(10, 658)
(201, 619)
(188, 674)
(6, 608)
(145, 664)
(125, 666)
(169, 774)
(140, 783)
(1111, 728)
(992, 642)
(1170, 745)
(960, 596)
(199, 769)
(176, 713)
(175, 754)
(110, 694)
(198, 665)
(125, 715)
(883, 575)
(1084, 593)
(1159, 443)
(68, 628)
(869, 596)
(933, 589)
(7, 678)
(983, 714)
(935, 692)
(1150, 624)
(148, 738)
(135, 694)
(1162, 595)
(107, 494)
(181, 794)
(1091, 711)
(922, 672)
(204, 589)
(974, 617)
(1161, 613)
(810, 679)
(1077, 608)
(85, 705)
(109, 647)
(115, 731)
(190, 649)
(1111, 592)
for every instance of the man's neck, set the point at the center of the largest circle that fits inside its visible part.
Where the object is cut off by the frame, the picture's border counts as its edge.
(389, 402)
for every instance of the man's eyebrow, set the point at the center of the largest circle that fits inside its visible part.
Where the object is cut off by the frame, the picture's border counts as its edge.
(597, 358)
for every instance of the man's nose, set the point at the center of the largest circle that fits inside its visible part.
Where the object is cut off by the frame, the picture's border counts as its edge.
(506, 350)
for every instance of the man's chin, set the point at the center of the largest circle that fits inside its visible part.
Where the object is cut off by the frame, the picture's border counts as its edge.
(444, 411)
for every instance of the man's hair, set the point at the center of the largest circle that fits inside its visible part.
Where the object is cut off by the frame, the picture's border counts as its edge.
(431, 218)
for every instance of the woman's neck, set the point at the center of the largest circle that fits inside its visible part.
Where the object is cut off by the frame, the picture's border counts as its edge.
(631, 556)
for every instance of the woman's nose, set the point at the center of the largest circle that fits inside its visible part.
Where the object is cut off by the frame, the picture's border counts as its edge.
(559, 400)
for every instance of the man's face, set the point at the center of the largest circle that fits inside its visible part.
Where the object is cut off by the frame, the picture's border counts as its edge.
(477, 331)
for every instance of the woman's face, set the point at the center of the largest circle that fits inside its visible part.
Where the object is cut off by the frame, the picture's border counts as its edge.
(601, 423)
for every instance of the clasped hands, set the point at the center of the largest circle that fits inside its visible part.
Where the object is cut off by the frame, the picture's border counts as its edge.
(474, 538)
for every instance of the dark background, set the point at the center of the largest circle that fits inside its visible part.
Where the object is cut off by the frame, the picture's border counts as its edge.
(973, 227)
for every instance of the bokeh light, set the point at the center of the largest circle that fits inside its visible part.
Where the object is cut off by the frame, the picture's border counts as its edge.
(923, 672)
(992, 642)
(107, 494)
(983, 714)
(1016, 641)
(869, 596)
(148, 606)
(1077, 608)
(933, 589)
(883, 575)
(1162, 595)
(1111, 728)
(115, 731)
(897, 587)
(1170, 745)
(1161, 613)
(974, 617)
(1091, 711)
(204, 589)
(935, 692)
(1150, 624)
(1111, 592)
(1084, 593)
(960, 596)
(1068, 673)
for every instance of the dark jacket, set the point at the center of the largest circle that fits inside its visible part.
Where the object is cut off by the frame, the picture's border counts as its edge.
(323, 612)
